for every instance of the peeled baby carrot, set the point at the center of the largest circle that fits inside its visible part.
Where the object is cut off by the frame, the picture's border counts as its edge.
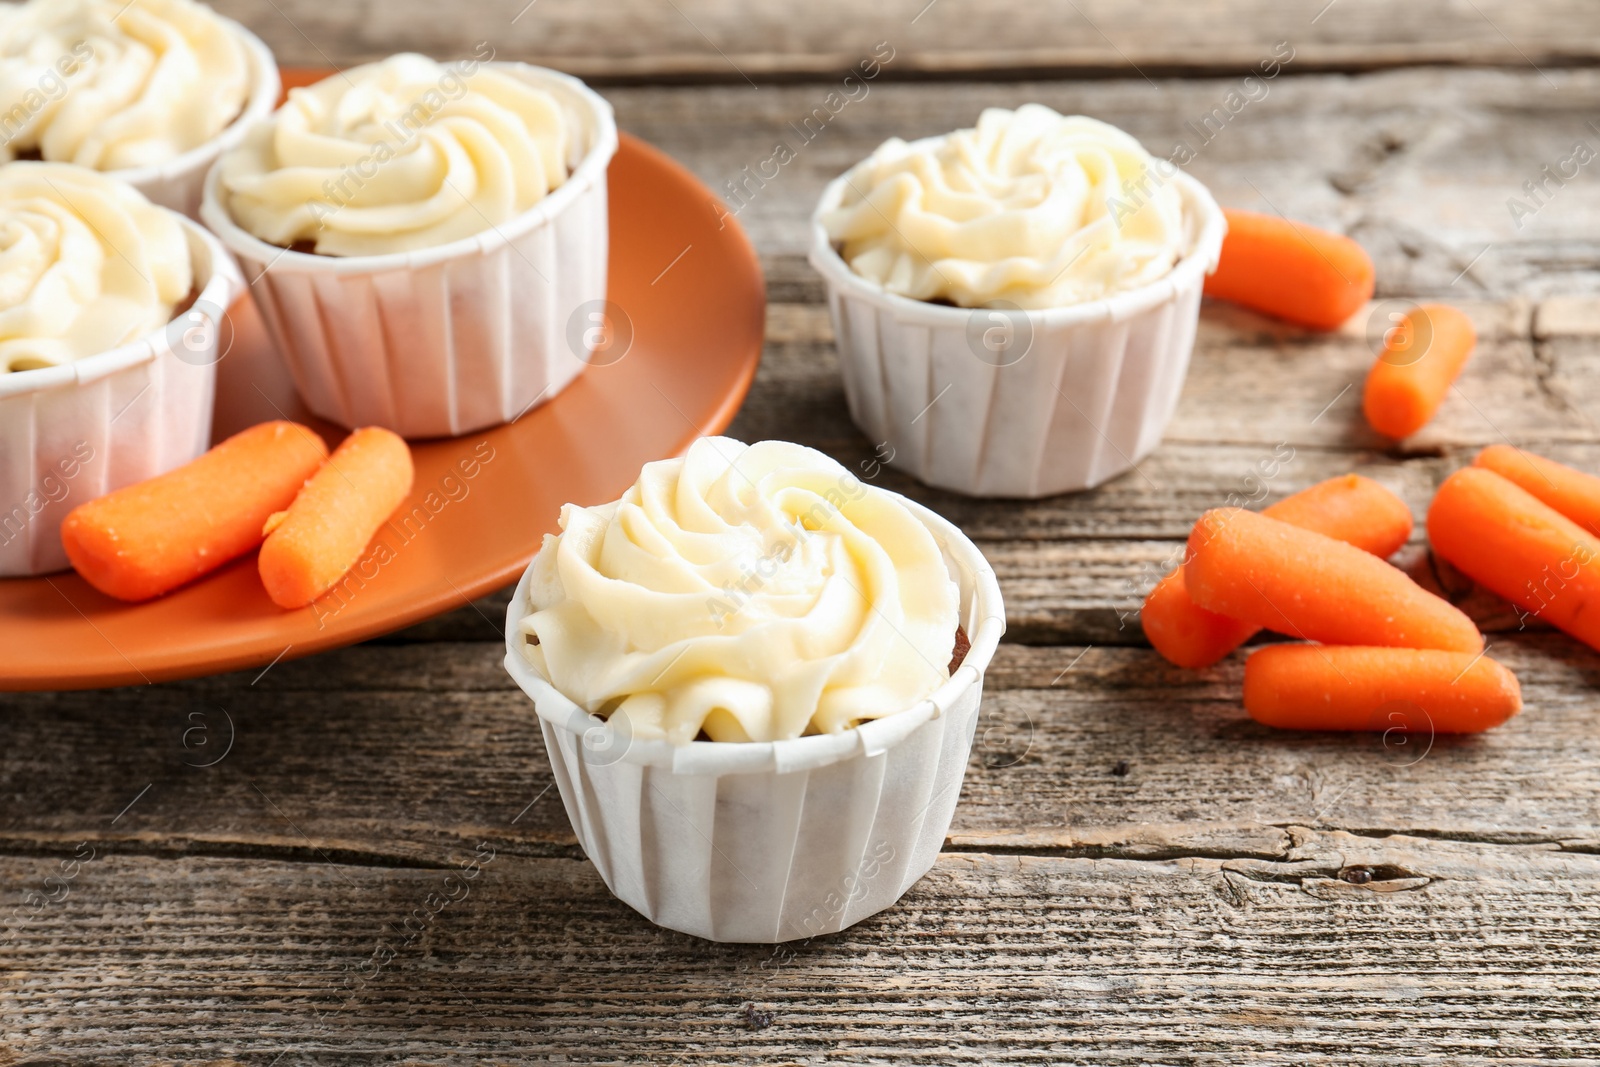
(1352, 509)
(1349, 508)
(1186, 634)
(1293, 271)
(323, 533)
(1334, 687)
(148, 538)
(1571, 492)
(1264, 571)
(1420, 360)
(1510, 542)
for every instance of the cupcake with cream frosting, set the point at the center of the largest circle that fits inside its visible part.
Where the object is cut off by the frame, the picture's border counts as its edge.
(1046, 266)
(152, 91)
(111, 315)
(408, 192)
(401, 156)
(743, 594)
(88, 265)
(753, 662)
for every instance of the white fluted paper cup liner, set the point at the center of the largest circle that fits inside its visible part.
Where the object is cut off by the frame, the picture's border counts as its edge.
(80, 430)
(775, 841)
(180, 183)
(1016, 403)
(446, 340)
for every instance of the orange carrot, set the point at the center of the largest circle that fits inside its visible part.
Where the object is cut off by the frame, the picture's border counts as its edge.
(1293, 271)
(1266, 572)
(1349, 508)
(323, 533)
(1333, 687)
(1186, 634)
(1421, 358)
(1510, 542)
(154, 536)
(1571, 492)
(1352, 509)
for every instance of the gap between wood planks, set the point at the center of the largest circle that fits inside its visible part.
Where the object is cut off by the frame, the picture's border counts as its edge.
(1287, 835)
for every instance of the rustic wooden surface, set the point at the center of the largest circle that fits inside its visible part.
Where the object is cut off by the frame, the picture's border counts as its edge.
(1136, 873)
(725, 40)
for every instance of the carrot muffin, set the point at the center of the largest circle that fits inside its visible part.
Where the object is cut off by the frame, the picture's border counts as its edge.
(1015, 303)
(743, 672)
(113, 85)
(427, 241)
(1029, 207)
(89, 265)
(112, 317)
(400, 155)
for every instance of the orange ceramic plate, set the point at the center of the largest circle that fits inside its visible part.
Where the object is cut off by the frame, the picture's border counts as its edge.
(693, 291)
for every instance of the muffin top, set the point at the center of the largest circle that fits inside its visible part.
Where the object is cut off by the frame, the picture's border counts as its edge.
(400, 155)
(110, 85)
(1030, 209)
(755, 592)
(86, 264)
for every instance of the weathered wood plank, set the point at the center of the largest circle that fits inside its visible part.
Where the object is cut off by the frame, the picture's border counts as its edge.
(714, 39)
(1454, 952)
(403, 753)
(1136, 873)
(1418, 164)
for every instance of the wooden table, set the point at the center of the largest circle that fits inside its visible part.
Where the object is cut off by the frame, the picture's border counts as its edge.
(1137, 873)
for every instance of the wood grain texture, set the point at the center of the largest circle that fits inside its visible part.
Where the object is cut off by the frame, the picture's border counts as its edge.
(1419, 165)
(1195, 908)
(733, 42)
(1451, 953)
(394, 754)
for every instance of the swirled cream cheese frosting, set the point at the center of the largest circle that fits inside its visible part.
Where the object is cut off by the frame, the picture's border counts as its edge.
(400, 155)
(111, 85)
(1030, 208)
(754, 592)
(86, 264)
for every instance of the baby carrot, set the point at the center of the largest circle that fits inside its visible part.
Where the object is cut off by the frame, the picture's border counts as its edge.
(1342, 687)
(1352, 509)
(1421, 358)
(1349, 508)
(323, 533)
(1290, 270)
(1297, 582)
(1510, 542)
(154, 536)
(1186, 634)
(1571, 492)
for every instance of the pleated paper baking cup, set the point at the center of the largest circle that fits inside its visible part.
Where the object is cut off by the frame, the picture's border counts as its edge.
(446, 340)
(80, 430)
(777, 841)
(180, 183)
(1014, 403)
